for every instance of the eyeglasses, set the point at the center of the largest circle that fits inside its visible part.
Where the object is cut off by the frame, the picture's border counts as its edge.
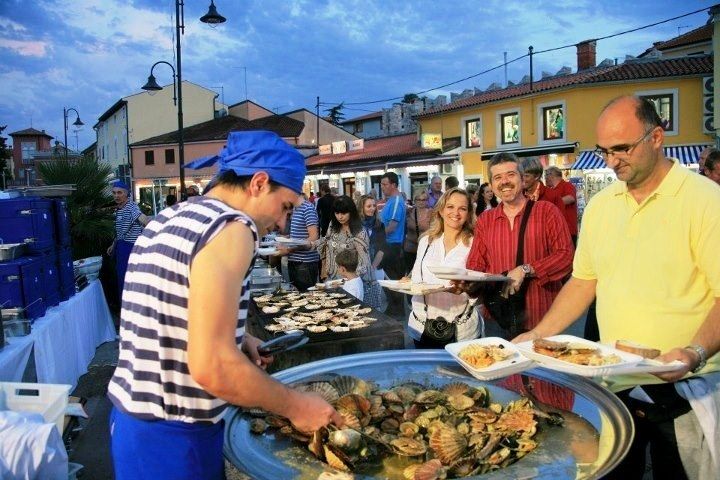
(623, 150)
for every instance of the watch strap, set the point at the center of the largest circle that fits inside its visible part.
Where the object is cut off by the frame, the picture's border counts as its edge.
(702, 355)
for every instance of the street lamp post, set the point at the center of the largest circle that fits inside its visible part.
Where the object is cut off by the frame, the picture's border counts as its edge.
(212, 18)
(77, 123)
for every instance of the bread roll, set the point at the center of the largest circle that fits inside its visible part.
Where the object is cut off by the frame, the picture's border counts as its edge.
(637, 349)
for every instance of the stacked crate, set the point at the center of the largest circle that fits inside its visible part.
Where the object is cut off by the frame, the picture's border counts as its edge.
(44, 276)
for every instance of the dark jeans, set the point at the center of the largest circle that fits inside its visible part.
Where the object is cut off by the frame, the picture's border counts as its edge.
(394, 265)
(409, 258)
(303, 274)
(654, 425)
(592, 331)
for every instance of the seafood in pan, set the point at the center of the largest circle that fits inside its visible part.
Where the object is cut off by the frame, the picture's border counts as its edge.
(582, 354)
(315, 312)
(450, 432)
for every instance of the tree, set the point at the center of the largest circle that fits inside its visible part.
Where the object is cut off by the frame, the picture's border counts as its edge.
(410, 98)
(335, 115)
(5, 156)
(92, 226)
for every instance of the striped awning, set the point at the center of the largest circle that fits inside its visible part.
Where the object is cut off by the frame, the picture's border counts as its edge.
(588, 160)
(686, 154)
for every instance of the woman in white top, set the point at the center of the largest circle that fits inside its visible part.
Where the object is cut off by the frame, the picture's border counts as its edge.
(447, 243)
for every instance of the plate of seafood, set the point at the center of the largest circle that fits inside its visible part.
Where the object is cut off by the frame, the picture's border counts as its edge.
(405, 418)
(314, 311)
(328, 285)
(570, 354)
(489, 358)
(410, 288)
(291, 242)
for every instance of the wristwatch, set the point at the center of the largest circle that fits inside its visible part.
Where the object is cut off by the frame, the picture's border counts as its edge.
(702, 354)
(527, 269)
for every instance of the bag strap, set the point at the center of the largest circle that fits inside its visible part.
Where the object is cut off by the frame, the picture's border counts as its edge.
(521, 234)
(417, 227)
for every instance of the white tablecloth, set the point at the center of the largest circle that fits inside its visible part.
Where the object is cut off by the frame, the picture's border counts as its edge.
(66, 337)
(14, 358)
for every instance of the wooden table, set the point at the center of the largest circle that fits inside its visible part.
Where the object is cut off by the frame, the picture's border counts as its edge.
(384, 334)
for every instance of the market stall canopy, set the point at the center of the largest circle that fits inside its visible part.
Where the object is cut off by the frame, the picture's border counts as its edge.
(686, 154)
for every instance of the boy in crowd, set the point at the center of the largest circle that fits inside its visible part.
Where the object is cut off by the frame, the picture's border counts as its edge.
(347, 262)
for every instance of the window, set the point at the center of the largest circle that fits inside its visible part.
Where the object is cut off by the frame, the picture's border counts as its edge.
(149, 157)
(509, 131)
(358, 127)
(170, 155)
(553, 121)
(472, 132)
(28, 149)
(666, 105)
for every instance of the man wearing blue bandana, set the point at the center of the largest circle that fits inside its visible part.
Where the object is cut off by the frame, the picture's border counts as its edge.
(184, 355)
(129, 222)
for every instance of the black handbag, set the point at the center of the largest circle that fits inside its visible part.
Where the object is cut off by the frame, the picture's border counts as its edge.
(438, 331)
(509, 312)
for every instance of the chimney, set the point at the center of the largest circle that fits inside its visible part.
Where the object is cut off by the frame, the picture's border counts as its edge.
(585, 55)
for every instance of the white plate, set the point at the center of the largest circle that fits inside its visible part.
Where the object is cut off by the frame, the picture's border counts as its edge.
(515, 363)
(648, 365)
(291, 242)
(626, 359)
(410, 288)
(471, 276)
(329, 285)
(265, 251)
(442, 269)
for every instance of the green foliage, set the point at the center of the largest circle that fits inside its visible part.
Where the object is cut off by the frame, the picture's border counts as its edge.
(410, 98)
(335, 114)
(92, 226)
(5, 157)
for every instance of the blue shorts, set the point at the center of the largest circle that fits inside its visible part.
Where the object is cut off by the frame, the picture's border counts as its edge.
(160, 449)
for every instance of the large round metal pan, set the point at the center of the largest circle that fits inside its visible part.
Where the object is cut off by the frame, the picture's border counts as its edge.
(597, 433)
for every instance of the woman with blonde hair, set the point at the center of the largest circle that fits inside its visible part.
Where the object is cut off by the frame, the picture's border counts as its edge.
(374, 295)
(443, 317)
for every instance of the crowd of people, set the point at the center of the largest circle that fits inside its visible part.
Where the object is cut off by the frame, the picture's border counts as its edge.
(645, 258)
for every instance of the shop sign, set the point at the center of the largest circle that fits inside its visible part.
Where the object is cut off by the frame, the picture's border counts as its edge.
(339, 147)
(325, 149)
(358, 144)
(432, 140)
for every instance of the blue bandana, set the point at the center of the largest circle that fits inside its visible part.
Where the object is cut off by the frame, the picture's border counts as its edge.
(247, 153)
(120, 184)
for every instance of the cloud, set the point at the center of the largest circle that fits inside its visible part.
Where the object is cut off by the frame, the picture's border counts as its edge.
(25, 48)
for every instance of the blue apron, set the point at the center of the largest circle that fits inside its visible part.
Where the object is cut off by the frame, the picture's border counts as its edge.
(160, 449)
(122, 255)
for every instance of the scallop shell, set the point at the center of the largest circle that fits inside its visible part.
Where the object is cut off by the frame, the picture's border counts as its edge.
(270, 309)
(409, 472)
(457, 388)
(408, 447)
(429, 397)
(363, 311)
(408, 429)
(324, 389)
(316, 328)
(351, 421)
(463, 467)
(312, 306)
(274, 327)
(354, 404)
(448, 444)
(335, 459)
(258, 425)
(460, 402)
(432, 470)
(483, 415)
(519, 420)
(348, 384)
(339, 329)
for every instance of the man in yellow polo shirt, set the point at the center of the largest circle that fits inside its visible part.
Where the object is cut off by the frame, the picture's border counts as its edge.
(648, 251)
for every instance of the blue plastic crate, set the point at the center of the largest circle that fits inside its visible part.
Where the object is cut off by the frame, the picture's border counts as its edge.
(22, 285)
(28, 220)
(62, 221)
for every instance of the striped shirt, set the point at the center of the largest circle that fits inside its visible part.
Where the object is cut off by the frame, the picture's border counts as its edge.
(548, 250)
(303, 216)
(152, 380)
(127, 226)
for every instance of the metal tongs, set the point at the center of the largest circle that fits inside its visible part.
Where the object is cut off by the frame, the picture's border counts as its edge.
(290, 341)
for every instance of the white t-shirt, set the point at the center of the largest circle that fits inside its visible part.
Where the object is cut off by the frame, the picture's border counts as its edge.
(355, 288)
(445, 304)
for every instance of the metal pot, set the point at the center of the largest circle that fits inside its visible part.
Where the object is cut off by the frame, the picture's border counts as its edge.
(597, 434)
(16, 328)
(11, 251)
